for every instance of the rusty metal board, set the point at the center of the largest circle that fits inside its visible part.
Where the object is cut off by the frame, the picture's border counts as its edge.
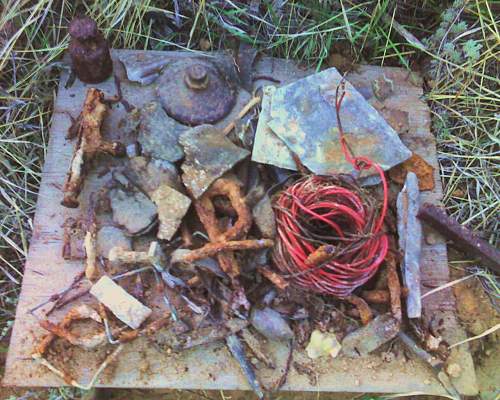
(140, 365)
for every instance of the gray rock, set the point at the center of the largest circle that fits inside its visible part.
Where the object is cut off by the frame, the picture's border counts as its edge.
(370, 337)
(209, 154)
(263, 216)
(150, 175)
(271, 324)
(159, 134)
(171, 206)
(160, 180)
(109, 237)
(132, 210)
(143, 68)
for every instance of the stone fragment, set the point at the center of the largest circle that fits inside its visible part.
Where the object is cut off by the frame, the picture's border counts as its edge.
(271, 324)
(159, 134)
(149, 175)
(132, 210)
(109, 237)
(209, 154)
(410, 242)
(263, 217)
(143, 68)
(125, 307)
(171, 207)
(370, 337)
(323, 344)
(160, 180)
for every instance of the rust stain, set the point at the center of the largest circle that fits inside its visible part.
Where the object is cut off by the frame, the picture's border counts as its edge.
(417, 165)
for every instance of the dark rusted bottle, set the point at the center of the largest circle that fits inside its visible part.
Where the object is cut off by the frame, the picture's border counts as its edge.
(89, 51)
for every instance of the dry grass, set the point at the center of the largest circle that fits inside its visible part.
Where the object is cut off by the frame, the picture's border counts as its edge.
(464, 91)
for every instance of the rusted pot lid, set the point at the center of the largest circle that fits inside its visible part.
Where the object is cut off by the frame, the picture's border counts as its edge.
(194, 92)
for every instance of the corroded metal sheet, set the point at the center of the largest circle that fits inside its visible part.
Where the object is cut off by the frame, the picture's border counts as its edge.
(303, 116)
(410, 242)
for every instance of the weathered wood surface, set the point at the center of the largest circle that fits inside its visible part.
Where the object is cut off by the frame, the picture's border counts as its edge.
(140, 364)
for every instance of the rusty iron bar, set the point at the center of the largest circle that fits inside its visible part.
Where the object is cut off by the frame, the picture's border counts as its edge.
(465, 240)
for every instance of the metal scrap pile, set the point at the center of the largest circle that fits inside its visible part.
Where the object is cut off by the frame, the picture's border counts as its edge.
(180, 244)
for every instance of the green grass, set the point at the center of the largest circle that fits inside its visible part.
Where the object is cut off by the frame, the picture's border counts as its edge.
(462, 75)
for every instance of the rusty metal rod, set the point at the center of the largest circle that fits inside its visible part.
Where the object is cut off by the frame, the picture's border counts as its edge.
(464, 239)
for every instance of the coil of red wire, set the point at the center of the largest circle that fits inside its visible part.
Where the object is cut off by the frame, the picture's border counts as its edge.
(331, 210)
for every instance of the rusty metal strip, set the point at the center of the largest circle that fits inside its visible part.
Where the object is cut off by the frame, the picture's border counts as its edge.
(464, 239)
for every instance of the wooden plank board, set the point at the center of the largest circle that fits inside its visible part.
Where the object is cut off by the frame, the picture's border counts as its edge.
(140, 365)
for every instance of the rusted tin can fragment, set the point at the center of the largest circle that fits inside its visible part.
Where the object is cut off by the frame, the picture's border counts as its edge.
(464, 239)
(89, 51)
(410, 242)
(302, 115)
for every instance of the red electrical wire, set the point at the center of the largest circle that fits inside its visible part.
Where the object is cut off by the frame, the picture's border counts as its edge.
(318, 210)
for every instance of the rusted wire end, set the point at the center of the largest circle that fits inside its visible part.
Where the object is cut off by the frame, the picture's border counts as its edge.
(394, 285)
(322, 254)
(89, 51)
(380, 296)
(278, 281)
(213, 248)
(365, 313)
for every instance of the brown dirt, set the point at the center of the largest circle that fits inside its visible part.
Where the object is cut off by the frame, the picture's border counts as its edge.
(477, 315)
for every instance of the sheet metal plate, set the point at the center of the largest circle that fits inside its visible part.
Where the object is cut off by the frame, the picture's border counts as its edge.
(140, 365)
